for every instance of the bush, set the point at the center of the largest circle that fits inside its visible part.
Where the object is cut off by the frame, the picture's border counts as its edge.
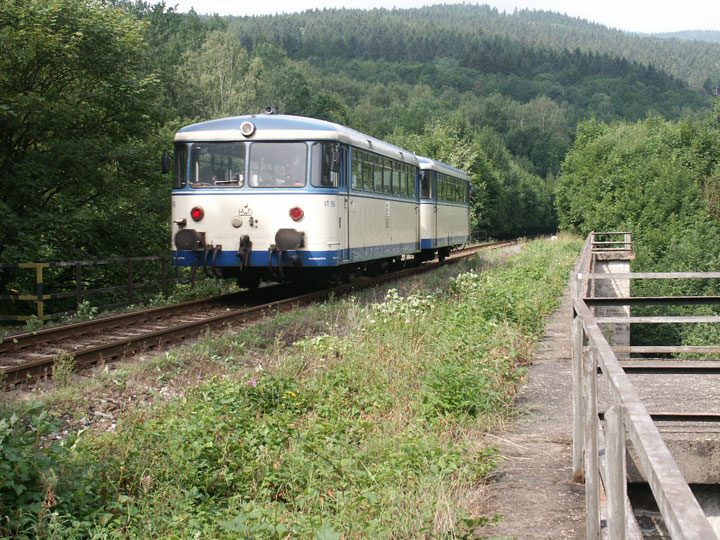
(658, 180)
(28, 469)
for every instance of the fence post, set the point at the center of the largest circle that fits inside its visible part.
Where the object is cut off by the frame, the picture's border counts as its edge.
(78, 287)
(617, 487)
(578, 407)
(592, 481)
(164, 276)
(131, 296)
(40, 291)
(39, 297)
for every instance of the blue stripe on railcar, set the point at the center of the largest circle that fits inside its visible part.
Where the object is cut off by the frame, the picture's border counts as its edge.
(260, 258)
(443, 241)
(305, 258)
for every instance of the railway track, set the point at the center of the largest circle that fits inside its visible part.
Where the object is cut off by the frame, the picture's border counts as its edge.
(28, 357)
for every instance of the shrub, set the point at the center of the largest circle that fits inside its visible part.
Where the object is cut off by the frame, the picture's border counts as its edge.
(62, 369)
(28, 468)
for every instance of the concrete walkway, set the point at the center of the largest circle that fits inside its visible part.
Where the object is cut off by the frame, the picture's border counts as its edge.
(532, 488)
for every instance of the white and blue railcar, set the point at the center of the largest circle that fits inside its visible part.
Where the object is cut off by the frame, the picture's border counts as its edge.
(284, 197)
(444, 208)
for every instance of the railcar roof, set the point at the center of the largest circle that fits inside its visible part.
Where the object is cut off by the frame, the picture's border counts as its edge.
(280, 127)
(428, 163)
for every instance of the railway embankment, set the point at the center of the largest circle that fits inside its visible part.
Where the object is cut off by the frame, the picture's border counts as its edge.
(363, 417)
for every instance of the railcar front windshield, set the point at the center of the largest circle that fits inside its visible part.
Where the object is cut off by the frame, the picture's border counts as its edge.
(217, 165)
(278, 164)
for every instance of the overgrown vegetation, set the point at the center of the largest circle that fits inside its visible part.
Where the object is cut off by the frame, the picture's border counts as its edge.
(661, 181)
(370, 428)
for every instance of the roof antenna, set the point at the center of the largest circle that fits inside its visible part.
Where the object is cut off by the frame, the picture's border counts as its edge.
(271, 110)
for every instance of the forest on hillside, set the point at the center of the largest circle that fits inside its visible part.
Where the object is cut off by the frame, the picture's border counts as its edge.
(693, 57)
(711, 36)
(530, 90)
(92, 92)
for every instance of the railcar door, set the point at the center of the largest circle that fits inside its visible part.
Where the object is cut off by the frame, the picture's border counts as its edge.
(344, 192)
(435, 199)
(418, 212)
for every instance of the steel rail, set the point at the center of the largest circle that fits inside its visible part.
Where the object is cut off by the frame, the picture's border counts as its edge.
(20, 341)
(40, 367)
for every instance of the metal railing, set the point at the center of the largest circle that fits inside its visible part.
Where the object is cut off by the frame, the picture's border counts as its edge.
(599, 451)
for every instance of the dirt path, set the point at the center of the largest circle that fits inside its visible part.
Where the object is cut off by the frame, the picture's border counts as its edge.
(533, 488)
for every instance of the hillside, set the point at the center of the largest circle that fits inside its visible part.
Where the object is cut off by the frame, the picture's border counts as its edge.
(522, 75)
(692, 61)
(711, 36)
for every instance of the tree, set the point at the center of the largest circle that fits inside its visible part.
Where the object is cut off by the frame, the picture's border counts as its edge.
(218, 80)
(509, 201)
(75, 99)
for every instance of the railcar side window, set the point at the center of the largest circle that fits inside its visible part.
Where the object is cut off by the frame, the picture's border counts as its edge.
(356, 170)
(450, 189)
(367, 173)
(387, 176)
(377, 174)
(181, 158)
(425, 184)
(321, 165)
(217, 165)
(278, 165)
(409, 180)
(402, 173)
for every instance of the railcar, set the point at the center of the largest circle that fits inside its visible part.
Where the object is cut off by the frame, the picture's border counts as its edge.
(444, 208)
(277, 197)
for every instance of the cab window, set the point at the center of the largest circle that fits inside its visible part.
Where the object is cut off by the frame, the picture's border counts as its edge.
(321, 174)
(217, 165)
(278, 165)
(181, 158)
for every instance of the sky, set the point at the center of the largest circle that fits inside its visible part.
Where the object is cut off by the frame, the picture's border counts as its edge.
(647, 16)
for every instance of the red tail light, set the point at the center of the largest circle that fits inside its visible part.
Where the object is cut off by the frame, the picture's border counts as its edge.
(296, 213)
(197, 213)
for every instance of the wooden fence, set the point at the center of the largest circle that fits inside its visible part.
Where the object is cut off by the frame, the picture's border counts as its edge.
(129, 288)
(599, 452)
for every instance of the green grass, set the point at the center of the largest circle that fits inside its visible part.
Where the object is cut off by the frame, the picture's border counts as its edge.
(353, 419)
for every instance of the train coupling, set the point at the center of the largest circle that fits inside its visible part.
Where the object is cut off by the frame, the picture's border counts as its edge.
(244, 251)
